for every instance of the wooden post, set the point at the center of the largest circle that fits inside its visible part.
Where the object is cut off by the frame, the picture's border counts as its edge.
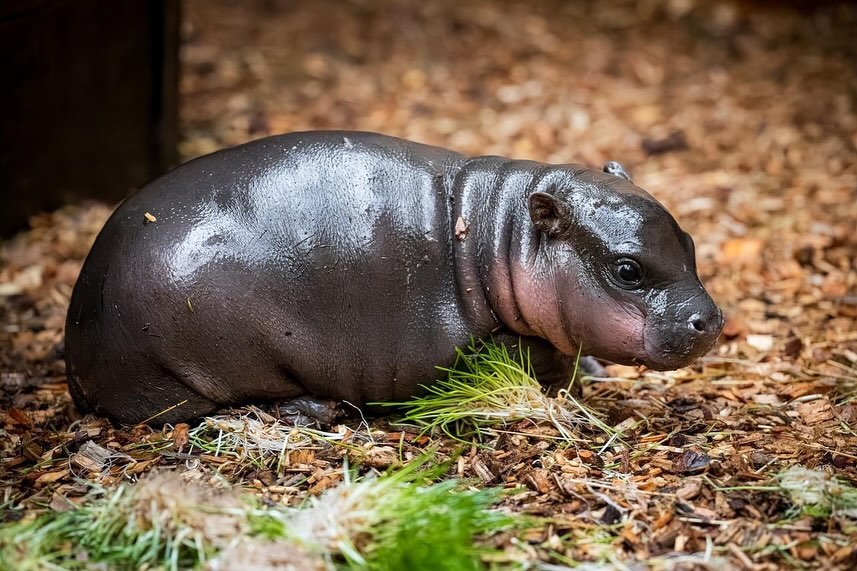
(88, 100)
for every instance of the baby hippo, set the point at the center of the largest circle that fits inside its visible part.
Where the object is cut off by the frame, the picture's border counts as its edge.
(348, 266)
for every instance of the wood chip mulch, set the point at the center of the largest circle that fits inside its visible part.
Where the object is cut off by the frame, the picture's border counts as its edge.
(740, 117)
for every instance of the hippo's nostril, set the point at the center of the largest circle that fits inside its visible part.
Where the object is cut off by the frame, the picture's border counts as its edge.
(697, 323)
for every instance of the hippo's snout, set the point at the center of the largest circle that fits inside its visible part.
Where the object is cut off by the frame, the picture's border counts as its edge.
(678, 337)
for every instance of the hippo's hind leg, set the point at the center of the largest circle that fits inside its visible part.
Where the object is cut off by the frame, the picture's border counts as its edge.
(74, 389)
(153, 395)
(171, 403)
(306, 408)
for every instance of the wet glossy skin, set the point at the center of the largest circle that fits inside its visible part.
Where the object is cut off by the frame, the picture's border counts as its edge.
(328, 264)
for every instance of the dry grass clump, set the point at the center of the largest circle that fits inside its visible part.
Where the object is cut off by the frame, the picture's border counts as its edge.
(257, 438)
(817, 493)
(261, 555)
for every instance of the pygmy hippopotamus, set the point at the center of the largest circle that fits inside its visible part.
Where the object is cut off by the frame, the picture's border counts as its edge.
(348, 266)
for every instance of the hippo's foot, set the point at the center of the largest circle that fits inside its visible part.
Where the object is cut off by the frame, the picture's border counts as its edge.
(306, 409)
(590, 367)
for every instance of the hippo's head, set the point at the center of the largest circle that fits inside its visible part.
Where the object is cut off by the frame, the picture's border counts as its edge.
(621, 272)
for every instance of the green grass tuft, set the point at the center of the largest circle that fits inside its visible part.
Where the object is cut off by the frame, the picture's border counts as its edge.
(490, 387)
(432, 521)
(397, 521)
(159, 524)
(415, 524)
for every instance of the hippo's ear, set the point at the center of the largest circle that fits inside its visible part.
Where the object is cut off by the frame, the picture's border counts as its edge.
(614, 168)
(549, 214)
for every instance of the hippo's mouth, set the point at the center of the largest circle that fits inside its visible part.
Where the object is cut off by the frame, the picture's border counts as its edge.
(674, 353)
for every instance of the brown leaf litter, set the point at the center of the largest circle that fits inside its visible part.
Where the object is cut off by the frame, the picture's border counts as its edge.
(741, 118)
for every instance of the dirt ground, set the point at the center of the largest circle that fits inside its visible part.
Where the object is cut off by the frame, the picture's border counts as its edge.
(741, 118)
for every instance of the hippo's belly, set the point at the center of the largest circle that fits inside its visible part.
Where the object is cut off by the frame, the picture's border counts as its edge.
(362, 316)
(309, 263)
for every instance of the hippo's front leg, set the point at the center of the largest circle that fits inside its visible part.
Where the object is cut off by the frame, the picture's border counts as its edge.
(552, 368)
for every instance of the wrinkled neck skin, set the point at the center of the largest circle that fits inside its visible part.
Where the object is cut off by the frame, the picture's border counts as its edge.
(501, 266)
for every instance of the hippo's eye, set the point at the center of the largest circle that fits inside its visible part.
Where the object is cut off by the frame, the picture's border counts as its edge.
(628, 272)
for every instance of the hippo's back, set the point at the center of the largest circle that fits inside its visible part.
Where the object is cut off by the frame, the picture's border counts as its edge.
(282, 266)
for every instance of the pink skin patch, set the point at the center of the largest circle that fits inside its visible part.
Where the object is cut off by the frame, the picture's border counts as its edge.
(611, 330)
(567, 313)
